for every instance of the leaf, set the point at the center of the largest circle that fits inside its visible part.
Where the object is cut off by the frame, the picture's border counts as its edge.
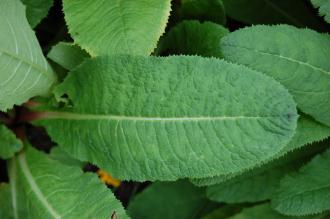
(224, 212)
(9, 143)
(324, 8)
(6, 211)
(307, 132)
(67, 55)
(203, 10)
(169, 200)
(54, 190)
(36, 10)
(189, 38)
(278, 51)
(294, 12)
(24, 72)
(307, 191)
(169, 118)
(117, 26)
(264, 211)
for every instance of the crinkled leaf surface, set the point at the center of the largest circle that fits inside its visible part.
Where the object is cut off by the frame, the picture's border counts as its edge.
(324, 8)
(9, 144)
(203, 10)
(36, 10)
(189, 38)
(170, 118)
(55, 190)
(117, 26)
(298, 58)
(67, 55)
(24, 71)
(294, 12)
(307, 132)
(169, 200)
(307, 191)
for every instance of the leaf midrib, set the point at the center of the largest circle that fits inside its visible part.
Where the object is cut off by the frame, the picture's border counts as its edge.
(78, 116)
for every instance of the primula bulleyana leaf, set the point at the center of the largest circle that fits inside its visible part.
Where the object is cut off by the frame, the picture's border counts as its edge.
(307, 191)
(36, 10)
(203, 10)
(294, 12)
(307, 132)
(9, 144)
(117, 26)
(6, 209)
(67, 55)
(297, 58)
(168, 118)
(265, 211)
(224, 212)
(324, 8)
(51, 189)
(24, 71)
(169, 200)
(189, 38)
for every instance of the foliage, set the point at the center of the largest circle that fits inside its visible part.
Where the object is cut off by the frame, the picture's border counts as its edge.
(191, 111)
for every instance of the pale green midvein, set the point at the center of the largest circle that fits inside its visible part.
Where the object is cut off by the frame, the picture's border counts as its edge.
(76, 116)
(12, 178)
(34, 187)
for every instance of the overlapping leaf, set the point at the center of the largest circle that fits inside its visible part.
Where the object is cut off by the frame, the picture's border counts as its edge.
(170, 118)
(324, 8)
(117, 26)
(9, 144)
(45, 188)
(36, 10)
(298, 58)
(24, 72)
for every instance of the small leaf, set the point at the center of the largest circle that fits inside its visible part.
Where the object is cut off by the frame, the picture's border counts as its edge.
(24, 71)
(297, 58)
(189, 38)
(67, 55)
(9, 144)
(36, 10)
(307, 191)
(203, 10)
(117, 26)
(55, 190)
(169, 200)
(170, 118)
(324, 8)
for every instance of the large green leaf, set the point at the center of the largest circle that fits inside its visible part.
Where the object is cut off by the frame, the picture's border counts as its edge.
(294, 12)
(9, 144)
(194, 38)
(6, 210)
(203, 10)
(36, 10)
(169, 118)
(117, 26)
(307, 191)
(307, 132)
(298, 58)
(324, 8)
(171, 201)
(51, 189)
(24, 72)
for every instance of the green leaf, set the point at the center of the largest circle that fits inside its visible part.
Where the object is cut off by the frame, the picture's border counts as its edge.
(24, 71)
(36, 10)
(224, 212)
(55, 190)
(6, 209)
(307, 132)
(9, 143)
(307, 191)
(294, 12)
(169, 200)
(169, 118)
(264, 211)
(194, 38)
(297, 58)
(203, 10)
(117, 26)
(67, 55)
(324, 8)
